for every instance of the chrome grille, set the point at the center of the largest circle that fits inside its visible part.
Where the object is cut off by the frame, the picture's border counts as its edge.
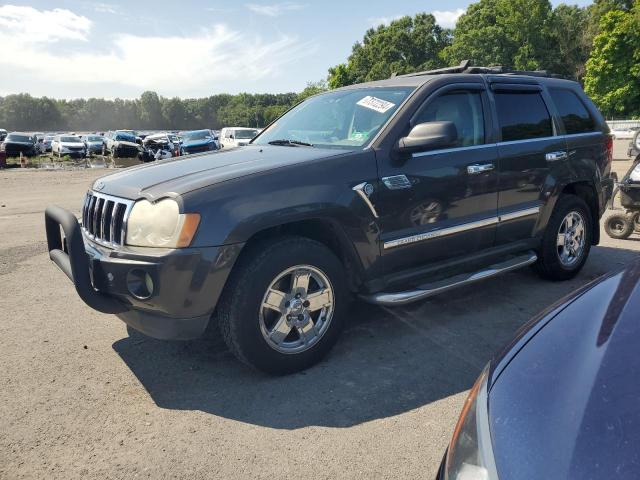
(104, 218)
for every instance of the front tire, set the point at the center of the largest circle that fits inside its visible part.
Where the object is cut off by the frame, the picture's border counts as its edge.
(284, 305)
(619, 225)
(567, 240)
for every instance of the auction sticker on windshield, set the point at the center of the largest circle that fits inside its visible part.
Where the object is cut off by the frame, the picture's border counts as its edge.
(376, 104)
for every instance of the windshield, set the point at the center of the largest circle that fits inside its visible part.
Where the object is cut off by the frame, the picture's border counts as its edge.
(344, 119)
(198, 135)
(70, 139)
(19, 138)
(125, 137)
(245, 134)
(94, 138)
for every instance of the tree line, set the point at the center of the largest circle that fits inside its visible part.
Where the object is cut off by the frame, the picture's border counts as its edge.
(598, 45)
(150, 111)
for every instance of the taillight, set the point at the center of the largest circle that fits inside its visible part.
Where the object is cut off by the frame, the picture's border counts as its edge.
(609, 145)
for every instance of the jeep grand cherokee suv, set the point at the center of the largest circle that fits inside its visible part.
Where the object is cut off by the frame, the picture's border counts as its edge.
(393, 191)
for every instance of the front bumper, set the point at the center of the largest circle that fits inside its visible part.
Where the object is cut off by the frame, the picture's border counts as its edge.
(186, 282)
(73, 153)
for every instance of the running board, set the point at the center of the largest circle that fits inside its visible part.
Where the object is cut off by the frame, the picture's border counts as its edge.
(435, 288)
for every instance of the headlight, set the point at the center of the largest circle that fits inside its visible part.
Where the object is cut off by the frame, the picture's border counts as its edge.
(160, 224)
(470, 454)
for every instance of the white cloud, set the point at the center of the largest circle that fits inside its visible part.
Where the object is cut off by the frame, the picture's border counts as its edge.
(448, 18)
(377, 21)
(134, 62)
(275, 9)
(28, 25)
(105, 8)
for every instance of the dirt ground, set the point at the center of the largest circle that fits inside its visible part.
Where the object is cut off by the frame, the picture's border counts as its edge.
(81, 397)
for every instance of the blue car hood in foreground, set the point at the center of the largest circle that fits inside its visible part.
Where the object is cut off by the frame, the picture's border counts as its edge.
(567, 405)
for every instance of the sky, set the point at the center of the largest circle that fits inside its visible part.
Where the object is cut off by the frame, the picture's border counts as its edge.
(85, 48)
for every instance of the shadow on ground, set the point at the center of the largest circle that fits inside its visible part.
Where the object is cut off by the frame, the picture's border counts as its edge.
(387, 362)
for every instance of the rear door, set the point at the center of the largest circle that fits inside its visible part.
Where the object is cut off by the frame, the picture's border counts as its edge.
(529, 144)
(442, 203)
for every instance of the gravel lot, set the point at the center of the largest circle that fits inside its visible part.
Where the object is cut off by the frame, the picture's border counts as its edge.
(80, 396)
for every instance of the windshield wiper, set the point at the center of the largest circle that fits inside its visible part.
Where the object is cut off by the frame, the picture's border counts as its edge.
(290, 143)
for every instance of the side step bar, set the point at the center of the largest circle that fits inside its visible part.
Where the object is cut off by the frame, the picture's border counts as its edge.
(435, 288)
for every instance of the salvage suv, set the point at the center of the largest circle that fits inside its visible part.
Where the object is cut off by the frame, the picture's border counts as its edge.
(392, 191)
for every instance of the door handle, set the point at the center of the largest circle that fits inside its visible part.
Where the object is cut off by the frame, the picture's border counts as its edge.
(476, 169)
(555, 156)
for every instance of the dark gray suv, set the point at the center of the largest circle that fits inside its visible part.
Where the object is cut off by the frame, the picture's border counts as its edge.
(391, 191)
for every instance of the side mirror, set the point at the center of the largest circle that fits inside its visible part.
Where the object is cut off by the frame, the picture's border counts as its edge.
(231, 137)
(429, 136)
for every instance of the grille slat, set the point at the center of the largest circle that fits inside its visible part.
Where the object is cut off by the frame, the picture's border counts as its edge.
(104, 218)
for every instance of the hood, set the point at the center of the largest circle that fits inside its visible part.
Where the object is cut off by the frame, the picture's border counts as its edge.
(566, 406)
(72, 144)
(184, 174)
(127, 144)
(15, 142)
(197, 143)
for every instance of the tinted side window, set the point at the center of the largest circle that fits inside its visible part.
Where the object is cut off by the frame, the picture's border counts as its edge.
(522, 115)
(464, 109)
(575, 116)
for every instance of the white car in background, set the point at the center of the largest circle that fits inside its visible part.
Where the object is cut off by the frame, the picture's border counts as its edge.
(231, 137)
(623, 133)
(71, 145)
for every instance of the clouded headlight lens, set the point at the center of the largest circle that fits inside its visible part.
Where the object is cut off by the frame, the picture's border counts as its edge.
(470, 454)
(160, 224)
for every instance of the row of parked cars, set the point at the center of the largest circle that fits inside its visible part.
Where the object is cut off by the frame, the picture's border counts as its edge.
(124, 143)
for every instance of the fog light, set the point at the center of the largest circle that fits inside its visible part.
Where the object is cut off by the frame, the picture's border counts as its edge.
(140, 284)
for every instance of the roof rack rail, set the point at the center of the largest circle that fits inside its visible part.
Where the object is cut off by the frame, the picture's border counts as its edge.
(465, 67)
(457, 69)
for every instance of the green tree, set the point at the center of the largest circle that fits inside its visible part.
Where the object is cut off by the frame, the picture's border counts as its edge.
(512, 33)
(570, 37)
(150, 110)
(406, 45)
(613, 72)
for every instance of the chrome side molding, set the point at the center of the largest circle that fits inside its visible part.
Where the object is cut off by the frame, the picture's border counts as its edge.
(442, 232)
(435, 288)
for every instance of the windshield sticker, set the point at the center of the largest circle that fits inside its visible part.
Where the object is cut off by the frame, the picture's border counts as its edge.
(376, 104)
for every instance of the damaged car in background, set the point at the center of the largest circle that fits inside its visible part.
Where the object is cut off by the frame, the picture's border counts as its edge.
(157, 147)
(121, 144)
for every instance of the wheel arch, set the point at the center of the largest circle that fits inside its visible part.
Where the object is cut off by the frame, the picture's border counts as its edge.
(323, 230)
(587, 192)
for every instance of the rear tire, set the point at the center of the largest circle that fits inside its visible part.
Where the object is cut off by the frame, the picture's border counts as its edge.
(619, 225)
(283, 334)
(564, 251)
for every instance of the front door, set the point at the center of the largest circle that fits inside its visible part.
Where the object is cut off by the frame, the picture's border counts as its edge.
(440, 204)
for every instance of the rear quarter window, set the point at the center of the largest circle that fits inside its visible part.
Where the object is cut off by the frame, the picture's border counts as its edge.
(523, 115)
(574, 113)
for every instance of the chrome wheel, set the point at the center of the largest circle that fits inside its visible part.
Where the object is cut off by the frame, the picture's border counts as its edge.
(571, 239)
(296, 309)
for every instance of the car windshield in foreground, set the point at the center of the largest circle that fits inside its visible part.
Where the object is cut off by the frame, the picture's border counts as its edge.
(70, 139)
(346, 119)
(246, 134)
(199, 135)
(12, 137)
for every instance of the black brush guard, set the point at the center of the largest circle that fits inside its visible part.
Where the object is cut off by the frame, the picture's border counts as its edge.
(70, 256)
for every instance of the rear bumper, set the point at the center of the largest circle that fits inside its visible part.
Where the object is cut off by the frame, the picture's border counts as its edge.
(186, 282)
